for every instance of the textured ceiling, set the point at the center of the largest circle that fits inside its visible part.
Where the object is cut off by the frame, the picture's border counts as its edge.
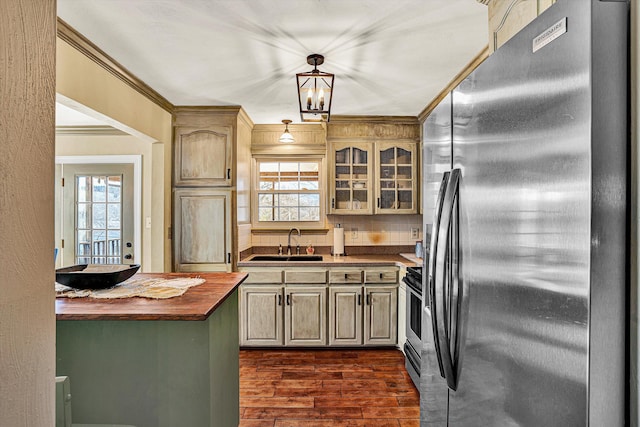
(390, 57)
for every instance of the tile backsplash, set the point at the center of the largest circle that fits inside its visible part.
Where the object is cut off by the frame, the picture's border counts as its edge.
(375, 230)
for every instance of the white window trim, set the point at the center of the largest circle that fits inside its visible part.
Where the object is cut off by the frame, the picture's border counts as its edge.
(134, 159)
(280, 225)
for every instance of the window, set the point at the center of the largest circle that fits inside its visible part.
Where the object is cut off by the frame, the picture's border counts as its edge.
(288, 191)
(98, 219)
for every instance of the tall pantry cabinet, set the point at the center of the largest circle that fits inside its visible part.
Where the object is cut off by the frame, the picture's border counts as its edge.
(211, 179)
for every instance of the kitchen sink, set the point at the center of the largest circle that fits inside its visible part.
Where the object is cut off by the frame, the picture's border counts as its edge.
(286, 258)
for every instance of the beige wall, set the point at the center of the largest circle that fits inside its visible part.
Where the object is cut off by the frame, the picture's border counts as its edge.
(99, 145)
(84, 85)
(80, 80)
(27, 319)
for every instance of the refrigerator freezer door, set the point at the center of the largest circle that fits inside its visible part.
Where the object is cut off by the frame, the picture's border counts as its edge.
(436, 162)
(522, 139)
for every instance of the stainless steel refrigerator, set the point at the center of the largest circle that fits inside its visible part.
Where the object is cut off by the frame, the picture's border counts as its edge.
(526, 196)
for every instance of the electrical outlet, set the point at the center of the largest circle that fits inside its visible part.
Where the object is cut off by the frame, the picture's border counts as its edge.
(354, 233)
(415, 232)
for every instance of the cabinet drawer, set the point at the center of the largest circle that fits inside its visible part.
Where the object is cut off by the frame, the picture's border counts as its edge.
(345, 276)
(264, 277)
(381, 276)
(300, 276)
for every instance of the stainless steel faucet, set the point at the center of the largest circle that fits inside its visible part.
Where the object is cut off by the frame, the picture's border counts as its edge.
(289, 241)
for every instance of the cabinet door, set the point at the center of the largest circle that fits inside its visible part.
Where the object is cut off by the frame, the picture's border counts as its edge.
(202, 230)
(305, 315)
(397, 177)
(350, 179)
(203, 156)
(380, 315)
(402, 314)
(261, 315)
(345, 315)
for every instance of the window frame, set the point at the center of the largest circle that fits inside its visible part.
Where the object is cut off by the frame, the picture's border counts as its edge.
(280, 225)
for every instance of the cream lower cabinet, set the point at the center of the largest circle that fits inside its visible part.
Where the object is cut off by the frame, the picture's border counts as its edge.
(261, 315)
(363, 313)
(381, 315)
(345, 315)
(402, 311)
(280, 307)
(305, 315)
(266, 311)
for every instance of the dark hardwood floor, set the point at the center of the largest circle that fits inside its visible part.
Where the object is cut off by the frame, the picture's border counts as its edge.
(318, 388)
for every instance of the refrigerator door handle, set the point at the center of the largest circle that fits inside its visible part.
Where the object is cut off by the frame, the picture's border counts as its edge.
(434, 269)
(442, 296)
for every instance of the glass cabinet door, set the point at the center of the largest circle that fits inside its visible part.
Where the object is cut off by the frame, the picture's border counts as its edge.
(351, 179)
(397, 178)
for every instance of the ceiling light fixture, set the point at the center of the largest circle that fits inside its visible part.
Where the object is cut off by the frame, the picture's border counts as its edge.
(315, 92)
(286, 137)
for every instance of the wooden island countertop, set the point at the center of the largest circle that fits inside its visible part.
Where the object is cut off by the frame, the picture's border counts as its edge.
(198, 303)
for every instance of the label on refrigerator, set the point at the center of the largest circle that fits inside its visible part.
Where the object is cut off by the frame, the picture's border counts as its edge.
(550, 34)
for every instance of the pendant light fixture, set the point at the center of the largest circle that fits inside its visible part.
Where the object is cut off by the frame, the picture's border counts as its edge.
(315, 92)
(286, 137)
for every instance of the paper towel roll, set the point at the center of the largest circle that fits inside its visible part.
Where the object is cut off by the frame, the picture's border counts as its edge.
(338, 241)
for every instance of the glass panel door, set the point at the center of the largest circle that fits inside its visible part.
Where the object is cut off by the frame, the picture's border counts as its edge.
(396, 179)
(352, 192)
(97, 214)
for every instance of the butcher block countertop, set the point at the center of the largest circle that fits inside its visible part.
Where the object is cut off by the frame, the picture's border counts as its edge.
(198, 303)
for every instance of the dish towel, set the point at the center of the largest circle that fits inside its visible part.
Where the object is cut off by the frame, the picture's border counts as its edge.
(135, 287)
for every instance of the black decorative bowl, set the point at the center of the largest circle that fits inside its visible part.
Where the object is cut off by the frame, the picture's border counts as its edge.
(95, 276)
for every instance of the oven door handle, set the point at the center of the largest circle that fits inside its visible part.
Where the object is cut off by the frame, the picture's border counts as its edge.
(433, 270)
(446, 297)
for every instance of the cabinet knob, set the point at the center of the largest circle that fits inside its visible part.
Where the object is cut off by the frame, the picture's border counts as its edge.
(288, 299)
(279, 299)
(359, 299)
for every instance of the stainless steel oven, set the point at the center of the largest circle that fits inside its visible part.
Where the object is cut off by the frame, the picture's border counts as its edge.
(413, 346)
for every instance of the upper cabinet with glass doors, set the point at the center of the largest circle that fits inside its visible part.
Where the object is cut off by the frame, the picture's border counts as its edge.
(397, 178)
(351, 179)
(373, 165)
(368, 178)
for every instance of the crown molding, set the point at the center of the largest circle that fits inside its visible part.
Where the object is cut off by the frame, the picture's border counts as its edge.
(373, 119)
(94, 53)
(208, 109)
(88, 130)
(243, 116)
(374, 128)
